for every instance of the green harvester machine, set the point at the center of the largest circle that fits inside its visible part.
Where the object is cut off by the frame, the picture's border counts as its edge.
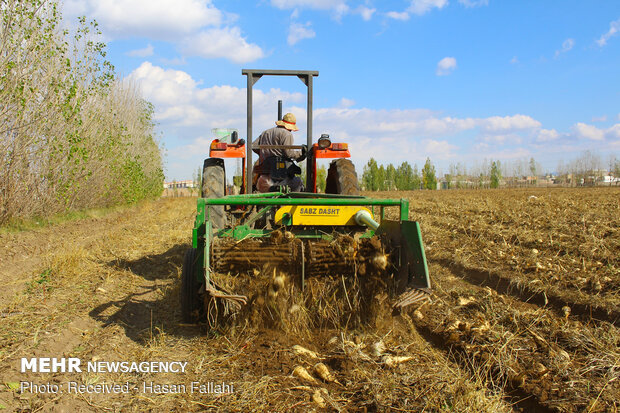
(303, 234)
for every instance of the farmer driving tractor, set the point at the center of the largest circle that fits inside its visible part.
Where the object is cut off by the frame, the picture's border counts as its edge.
(275, 168)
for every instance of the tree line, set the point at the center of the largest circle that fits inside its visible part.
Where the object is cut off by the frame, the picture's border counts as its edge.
(588, 168)
(72, 134)
(403, 178)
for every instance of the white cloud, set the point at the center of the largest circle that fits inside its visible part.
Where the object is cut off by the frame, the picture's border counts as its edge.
(398, 15)
(613, 132)
(509, 138)
(591, 132)
(196, 27)
(498, 124)
(599, 118)
(200, 145)
(446, 66)
(298, 31)
(547, 135)
(567, 45)
(414, 124)
(418, 7)
(514, 60)
(338, 7)
(149, 18)
(505, 154)
(439, 149)
(181, 102)
(393, 123)
(163, 87)
(614, 28)
(146, 52)
(474, 3)
(310, 4)
(421, 7)
(365, 12)
(226, 42)
(583, 130)
(346, 103)
(482, 147)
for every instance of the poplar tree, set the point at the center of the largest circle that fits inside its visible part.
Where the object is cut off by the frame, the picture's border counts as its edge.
(496, 174)
(428, 175)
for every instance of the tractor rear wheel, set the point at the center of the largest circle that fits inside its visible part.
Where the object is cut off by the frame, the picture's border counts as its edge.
(341, 178)
(190, 300)
(214, 186)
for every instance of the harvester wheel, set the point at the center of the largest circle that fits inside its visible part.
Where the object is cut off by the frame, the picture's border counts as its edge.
(341, 178)
(214, 186)
(190, 300)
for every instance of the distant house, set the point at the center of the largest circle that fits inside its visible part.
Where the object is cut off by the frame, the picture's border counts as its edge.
(610, 179)
(179, 184)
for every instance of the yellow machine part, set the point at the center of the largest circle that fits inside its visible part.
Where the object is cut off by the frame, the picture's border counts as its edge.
(318, 214)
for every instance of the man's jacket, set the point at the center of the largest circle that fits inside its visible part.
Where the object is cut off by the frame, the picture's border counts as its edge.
(274, 136)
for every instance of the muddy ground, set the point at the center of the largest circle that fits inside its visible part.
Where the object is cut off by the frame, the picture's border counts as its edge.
(523, 318)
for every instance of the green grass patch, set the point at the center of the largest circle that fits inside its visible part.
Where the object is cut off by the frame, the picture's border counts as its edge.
(41, 282)
(28, 224)
(12, 385)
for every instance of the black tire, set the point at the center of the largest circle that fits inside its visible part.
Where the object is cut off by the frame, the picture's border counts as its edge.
(214, 186)
(341, 178)
(190, 299)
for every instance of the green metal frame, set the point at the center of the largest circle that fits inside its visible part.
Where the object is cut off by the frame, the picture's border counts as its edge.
(406, 233)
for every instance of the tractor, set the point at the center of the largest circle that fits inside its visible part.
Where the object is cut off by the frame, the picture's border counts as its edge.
(306, 235)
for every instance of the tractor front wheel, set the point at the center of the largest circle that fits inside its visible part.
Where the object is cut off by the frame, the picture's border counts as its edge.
(190, 300)
(341, 178)
(214, 186)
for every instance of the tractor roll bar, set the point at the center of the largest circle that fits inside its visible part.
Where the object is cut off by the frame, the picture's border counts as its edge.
(253, 75)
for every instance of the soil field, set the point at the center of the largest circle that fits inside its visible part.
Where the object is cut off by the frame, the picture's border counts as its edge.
(524, 317)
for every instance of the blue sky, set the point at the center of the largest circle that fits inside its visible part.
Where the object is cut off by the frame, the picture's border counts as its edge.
(453, 80)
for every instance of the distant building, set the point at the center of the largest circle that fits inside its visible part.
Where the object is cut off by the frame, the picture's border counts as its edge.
(610, 179)
(179, 184)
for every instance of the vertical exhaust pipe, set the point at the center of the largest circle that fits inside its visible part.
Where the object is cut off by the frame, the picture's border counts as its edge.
(279, 110)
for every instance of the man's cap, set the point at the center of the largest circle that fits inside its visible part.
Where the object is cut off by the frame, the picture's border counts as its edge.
(289, 122)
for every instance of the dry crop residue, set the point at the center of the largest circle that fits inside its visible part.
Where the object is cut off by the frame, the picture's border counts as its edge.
(110, 293)
(527, 285)
(480, 346)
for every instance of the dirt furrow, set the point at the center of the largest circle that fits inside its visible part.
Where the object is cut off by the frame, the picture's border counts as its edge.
(563, 364)
(559, 247)
(510, 286)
